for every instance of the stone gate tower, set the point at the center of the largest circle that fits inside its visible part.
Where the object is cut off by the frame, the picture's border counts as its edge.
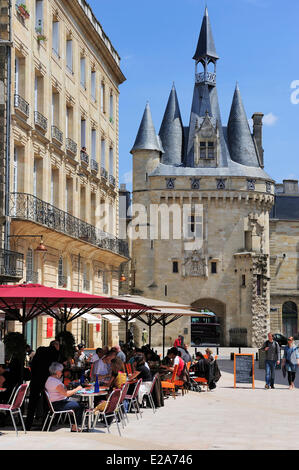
(221, 260)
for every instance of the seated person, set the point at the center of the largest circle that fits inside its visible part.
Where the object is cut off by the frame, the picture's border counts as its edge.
(144, 373)
(118, 379)
(102, 367)
(201, 366)
(173, 354)
(60, 396)
(6, 382)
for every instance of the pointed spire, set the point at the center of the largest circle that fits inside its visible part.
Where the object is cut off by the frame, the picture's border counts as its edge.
(206, 45)
(241, 145)
(171, 132)
(147, 138)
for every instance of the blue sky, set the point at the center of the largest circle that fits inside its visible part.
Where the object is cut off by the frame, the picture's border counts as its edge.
(258, 45)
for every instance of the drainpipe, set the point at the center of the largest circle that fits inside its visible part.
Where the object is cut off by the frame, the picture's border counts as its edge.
(8, 122)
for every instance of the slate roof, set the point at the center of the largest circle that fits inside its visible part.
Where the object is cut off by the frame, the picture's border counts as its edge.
(171, 132)
(147, 138)
(285, 208)
(206, 45)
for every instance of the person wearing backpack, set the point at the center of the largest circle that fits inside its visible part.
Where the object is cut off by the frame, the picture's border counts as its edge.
(290, 361)
(272, 350)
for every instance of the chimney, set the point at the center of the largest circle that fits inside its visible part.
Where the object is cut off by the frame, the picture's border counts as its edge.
(290, 187)
(258, 135)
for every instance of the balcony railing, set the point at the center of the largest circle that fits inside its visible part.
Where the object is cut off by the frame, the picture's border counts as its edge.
(28, 207)
(84, 157)
(207, 77)
(94, 165)
(40, 121)
(21, 105)
(11, 265)
(112, 180)
(57, 134)
(71, 146)
(104, 173)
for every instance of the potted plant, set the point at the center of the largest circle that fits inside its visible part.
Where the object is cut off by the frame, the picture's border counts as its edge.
(40, 35)
(23, 11)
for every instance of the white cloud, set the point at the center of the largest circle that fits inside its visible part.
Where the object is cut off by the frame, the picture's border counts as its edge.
(127, 178)
(270, 119)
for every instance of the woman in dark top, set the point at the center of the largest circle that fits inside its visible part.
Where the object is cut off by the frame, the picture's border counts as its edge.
(145, 375)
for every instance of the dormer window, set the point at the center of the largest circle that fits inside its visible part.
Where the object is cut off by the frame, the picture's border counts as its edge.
(207, 150)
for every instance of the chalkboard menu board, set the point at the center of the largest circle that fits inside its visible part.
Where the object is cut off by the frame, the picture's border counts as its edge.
(244, 369)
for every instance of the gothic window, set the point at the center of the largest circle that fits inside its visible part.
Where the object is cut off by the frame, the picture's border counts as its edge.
(220, 184)
(214, 267)
(170, 183)
(211, 150)
(203, 151)
(251, 185)
(207, 150)
(195, 183)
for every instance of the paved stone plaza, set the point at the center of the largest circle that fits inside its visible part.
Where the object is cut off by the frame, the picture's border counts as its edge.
(227, 418)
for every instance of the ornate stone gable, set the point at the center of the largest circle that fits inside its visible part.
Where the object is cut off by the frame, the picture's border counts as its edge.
(206, 141)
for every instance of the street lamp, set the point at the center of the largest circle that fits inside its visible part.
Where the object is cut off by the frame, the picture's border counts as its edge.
(41, 247)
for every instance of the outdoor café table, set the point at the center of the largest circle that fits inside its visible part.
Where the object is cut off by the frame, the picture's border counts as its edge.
(89, 394)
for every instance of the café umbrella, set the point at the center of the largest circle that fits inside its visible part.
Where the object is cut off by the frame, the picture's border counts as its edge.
(24, 302)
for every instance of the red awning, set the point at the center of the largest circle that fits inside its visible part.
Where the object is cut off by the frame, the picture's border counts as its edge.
(24, 302)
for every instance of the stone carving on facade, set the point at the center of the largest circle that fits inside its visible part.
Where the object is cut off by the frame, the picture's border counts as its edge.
(195, 264)
(260, 299)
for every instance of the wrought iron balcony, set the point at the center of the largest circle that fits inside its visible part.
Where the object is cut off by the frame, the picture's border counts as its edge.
(94, 165)
(21, 105)
(57, 134)
(104, 173)
(40, 121)
(208, 77)
(28, 207)
(11, 265)
(71, 146)
(84, 157)
(112, 180)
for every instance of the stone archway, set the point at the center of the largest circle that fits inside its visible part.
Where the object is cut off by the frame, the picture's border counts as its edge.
(217, 307)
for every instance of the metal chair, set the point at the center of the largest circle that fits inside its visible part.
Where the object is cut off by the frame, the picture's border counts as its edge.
(123, 413)
(15, 406)
(150, 393)
(52, 413)
(111, 410)
(133, 399)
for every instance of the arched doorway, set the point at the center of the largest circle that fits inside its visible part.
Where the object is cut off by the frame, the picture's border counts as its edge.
(219, 309)
(290, 319)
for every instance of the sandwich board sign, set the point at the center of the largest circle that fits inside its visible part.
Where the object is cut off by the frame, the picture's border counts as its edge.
(244, 369)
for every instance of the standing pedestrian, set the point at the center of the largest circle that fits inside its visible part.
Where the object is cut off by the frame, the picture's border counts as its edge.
(144, 337)
(290, 361)
(39, 374)
(272, 350)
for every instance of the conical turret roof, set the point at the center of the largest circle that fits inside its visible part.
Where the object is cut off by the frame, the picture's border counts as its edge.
(171, 132)
(147, 138)
(206, 46)
(241, 145)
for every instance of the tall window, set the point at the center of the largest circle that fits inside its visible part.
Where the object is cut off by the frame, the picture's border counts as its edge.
(39, 15)
(111, 161)
(55, 37)
(83, 133)
(111, 110)
(83, 71)
(103, 97)
(93, 85)
(207, 150)
(62, 278)
(55, 109)
(69, 54)
(93, 144)
(103, 153)
(29, 267)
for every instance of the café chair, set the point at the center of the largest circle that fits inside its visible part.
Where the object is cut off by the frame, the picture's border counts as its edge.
(133, 399)
(111, 410)
(52, 413)
(15, 406)
(150, 393)
(169, 385)
(122, 409)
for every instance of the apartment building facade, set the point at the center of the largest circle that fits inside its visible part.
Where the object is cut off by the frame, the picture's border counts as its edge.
(63, 165)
